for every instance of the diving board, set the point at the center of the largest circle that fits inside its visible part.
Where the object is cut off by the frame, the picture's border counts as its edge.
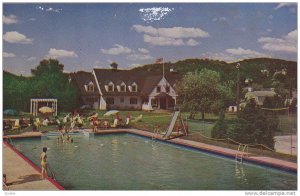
(171, 125)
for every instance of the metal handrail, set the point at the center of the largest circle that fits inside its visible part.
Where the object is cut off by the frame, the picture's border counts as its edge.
(242, 148)
(51, 171)
(9, 140)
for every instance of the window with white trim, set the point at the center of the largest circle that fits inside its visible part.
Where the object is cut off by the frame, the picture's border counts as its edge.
(134, 88)
(133, 101)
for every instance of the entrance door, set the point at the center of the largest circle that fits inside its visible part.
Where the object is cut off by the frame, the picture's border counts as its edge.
(163, 103)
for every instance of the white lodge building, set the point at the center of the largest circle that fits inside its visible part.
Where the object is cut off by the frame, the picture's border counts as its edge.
(107, 89)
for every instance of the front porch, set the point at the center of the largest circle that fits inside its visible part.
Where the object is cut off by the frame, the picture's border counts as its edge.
(161, 101)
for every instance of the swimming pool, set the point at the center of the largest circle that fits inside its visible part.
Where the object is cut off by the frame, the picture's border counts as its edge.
(130, 162)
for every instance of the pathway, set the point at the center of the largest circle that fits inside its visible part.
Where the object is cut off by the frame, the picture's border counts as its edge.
(20, 174)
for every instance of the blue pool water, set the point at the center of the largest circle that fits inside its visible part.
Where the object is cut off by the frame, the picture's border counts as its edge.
(129, 162)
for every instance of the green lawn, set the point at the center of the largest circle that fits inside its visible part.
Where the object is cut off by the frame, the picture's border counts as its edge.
(153, 120)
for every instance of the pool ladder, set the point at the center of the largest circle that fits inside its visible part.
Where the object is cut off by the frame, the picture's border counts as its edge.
(9, 140)
(155, 132)
(243, 149)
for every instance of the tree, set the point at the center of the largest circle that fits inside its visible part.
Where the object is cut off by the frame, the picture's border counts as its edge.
(49, 81)
(48, 66)
(254, 126)
(114, 65)
(203, 92)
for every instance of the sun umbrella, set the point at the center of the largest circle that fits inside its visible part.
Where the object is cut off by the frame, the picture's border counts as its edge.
(46, 109)
(111, 112)
(10, 112)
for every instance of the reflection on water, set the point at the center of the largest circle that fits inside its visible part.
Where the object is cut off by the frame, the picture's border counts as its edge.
(240, 172)
(127, 162)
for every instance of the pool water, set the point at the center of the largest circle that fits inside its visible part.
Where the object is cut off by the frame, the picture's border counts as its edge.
(130, 162)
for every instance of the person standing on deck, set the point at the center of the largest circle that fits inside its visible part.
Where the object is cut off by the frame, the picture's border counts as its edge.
(43, 159)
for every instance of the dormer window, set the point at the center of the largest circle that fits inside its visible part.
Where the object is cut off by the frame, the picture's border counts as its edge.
(123, 87)
(134, 88)
(90, 87)
(111, 87)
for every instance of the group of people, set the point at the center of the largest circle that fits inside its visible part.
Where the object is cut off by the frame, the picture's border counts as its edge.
(105, 123)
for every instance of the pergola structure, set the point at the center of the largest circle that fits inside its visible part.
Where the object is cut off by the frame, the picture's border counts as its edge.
(34, 105)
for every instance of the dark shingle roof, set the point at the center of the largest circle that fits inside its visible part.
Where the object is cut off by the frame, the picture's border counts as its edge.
(146, 80)
(82, 78)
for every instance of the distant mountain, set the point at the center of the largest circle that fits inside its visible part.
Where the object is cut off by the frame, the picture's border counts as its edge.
(258, 70)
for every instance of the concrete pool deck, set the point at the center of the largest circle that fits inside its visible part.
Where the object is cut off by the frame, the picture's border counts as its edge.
(21, 175)
(263, 160)
(26, 176)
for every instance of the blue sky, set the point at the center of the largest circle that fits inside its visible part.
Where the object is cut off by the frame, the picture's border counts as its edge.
(84, 36)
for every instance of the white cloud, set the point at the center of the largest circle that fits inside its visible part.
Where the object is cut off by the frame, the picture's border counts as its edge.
(173, 32)
(15, 37)
(280, 5)
(50, 9)
(220, 56)
(192, 42)
(234, 54)
(245, 52)
(168, 41)
(32, 19)
(31, 58)
(118, 49)
(287, 43)
(174, 36)
(135, 65)
(8, 55)
(143, 50)
(55, 53)
(163, 41)
(40, 8)
(220, 19)
(139, 56)
(11, 19)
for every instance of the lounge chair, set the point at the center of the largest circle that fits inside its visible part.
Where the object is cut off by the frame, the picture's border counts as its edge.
(138, 118)
(45, 122)
(16, 125)
(115, 123)
(37, 122)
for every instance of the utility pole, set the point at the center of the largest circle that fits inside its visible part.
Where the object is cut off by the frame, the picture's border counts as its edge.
(238, 87)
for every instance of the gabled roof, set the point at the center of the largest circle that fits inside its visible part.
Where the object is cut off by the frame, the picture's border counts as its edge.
(145, 80)
(82, 78)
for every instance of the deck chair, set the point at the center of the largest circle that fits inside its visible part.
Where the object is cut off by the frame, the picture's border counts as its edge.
(127, 122)
(45, 122)
(115, 123)
(37, 122)
(16, 125)
(138, 118)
